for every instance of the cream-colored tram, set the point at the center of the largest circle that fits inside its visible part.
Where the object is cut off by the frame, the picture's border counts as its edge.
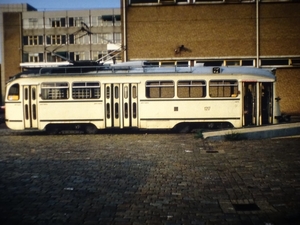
(146, 98)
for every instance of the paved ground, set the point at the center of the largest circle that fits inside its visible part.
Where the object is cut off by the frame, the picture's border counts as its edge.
(154, 178)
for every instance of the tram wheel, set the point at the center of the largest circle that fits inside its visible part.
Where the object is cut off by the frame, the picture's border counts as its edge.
(90, 129)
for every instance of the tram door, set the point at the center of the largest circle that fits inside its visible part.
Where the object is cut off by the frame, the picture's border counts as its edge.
(30, 106)
(250, 106)
(258, 103)
(121, 101)
(266, 90)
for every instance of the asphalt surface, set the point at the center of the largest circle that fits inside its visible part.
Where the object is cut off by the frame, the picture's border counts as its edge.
(147, 178)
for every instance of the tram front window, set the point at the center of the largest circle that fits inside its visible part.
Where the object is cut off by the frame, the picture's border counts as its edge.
(14, 92)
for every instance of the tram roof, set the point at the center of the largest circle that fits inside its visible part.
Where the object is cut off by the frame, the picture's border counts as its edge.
(125, 69)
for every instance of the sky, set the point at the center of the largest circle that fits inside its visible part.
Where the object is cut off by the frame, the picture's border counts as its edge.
(53, 5)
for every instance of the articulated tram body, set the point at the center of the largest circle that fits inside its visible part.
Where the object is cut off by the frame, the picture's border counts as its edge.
(145, 98)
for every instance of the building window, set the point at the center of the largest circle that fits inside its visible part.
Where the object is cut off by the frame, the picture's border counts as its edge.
(143, 1)
(71, 39)
(232, 62)
(56, 39)
(30, 23)
(53, 91)
(104, 38)
(206, 1)
(246, 62)
(86, 90)
(158, 1)
(117, 21)
(209, 63)
(57, 57)
(160, 89)
(295, 62)
(77, 21)
(81, 39)
(33, 57)
(107, 38)
(33, 40)
(58, 22)
(191, 89)
(173, 63)
(95, 55)
(103, 55)
(79, 56)
(223, 88)
(107, 20)
(274, 62)
(117, 38)
(274, 0)
(76, 56)
(166, 1)
(182, 64)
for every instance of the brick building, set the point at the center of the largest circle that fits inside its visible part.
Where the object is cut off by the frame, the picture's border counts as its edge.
(262, 34)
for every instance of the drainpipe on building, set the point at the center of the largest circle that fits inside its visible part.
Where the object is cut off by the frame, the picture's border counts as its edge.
(124, 30)
(257, 33)
(45, 39)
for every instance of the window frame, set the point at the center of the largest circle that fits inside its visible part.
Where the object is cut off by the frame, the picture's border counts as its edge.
(81, 90)
(60, 89)
(203, 87)
(162, 86)
(14, 92)
(222, 86)
(53, 39)
(57, 22)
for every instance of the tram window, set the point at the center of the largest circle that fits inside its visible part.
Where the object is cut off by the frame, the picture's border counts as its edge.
(191, 89)
(160, 89)
(134, 92)
(13, 93)
(223, 88)
(55, 90)
(86, 90)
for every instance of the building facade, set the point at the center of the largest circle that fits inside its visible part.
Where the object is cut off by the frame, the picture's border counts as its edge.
(34, 38)
(74, 35)
(263, 33)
